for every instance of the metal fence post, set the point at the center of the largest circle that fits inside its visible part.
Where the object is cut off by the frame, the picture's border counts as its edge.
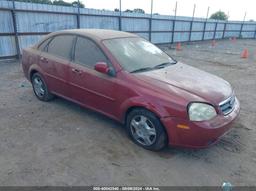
(150, 21)
(173, 23)
(215, 28)
(255, 32)
(78, 14)
(191, 24)
(15, 30)
(225, 27)
(224, 30)
(120, 15)
(205, 22)
(241, 29)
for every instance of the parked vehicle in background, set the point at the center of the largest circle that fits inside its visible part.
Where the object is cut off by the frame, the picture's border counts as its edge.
(160, 101)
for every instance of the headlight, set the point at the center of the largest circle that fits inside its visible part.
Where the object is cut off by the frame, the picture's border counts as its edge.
(201, 112)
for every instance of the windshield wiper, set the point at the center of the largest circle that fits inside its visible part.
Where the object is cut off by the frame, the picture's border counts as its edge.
(155, 67)
(164, 64)
(142, 69)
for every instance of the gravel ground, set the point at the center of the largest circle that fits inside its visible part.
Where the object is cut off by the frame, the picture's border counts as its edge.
(59, 143)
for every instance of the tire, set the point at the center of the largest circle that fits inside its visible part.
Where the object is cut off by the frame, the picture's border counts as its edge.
(40, 88)
(146, 130)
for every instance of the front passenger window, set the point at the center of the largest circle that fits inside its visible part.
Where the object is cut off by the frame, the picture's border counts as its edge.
(87, 53)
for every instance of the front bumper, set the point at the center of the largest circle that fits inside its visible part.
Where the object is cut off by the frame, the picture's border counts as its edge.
(199, 134)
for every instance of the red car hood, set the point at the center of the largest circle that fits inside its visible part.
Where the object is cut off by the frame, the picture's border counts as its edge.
(202, 84)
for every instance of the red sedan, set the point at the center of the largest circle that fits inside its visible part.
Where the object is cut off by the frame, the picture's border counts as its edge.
(160, 101)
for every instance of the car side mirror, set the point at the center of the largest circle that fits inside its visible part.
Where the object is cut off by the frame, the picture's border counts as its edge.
(103, 67)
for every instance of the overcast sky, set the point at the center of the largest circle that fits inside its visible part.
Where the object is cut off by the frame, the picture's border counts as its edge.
(235, 8)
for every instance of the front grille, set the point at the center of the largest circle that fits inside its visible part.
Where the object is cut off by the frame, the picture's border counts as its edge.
(228, 105)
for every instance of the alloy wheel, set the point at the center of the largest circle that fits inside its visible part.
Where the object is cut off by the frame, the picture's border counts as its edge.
(143, 130)
(39, 87)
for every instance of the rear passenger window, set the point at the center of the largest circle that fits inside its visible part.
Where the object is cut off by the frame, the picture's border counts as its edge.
(61, 46)
(87, 53)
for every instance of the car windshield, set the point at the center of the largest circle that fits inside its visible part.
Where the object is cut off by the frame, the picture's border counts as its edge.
(137, 54)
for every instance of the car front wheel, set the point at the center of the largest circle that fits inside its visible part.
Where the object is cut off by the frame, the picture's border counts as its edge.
(146, 130)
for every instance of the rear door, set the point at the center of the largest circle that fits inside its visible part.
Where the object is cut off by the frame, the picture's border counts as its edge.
(89, 87)
(55, 59)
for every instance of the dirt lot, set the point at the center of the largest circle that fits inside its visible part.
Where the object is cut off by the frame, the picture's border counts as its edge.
(59, 143)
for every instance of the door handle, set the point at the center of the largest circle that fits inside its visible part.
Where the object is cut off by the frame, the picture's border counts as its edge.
(43, 59)
(76, 71)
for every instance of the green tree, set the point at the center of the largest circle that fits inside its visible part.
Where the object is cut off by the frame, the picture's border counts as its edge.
(138, 11)
(128, 11)
(36, 1)
(219, 15)
(54, 2)
(75, 4)
(61, 2)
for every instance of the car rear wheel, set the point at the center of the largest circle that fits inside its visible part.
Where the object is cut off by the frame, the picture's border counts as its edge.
(146, 130)
(40, 88)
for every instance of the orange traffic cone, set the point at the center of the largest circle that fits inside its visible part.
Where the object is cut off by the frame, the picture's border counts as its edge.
(213, 42)
(245, 53)
(233, 39)
(178, 46)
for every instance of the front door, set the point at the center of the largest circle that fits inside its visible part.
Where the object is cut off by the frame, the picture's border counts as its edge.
(89, 87)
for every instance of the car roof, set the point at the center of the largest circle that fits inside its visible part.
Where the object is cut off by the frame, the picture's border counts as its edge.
(97, 34)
